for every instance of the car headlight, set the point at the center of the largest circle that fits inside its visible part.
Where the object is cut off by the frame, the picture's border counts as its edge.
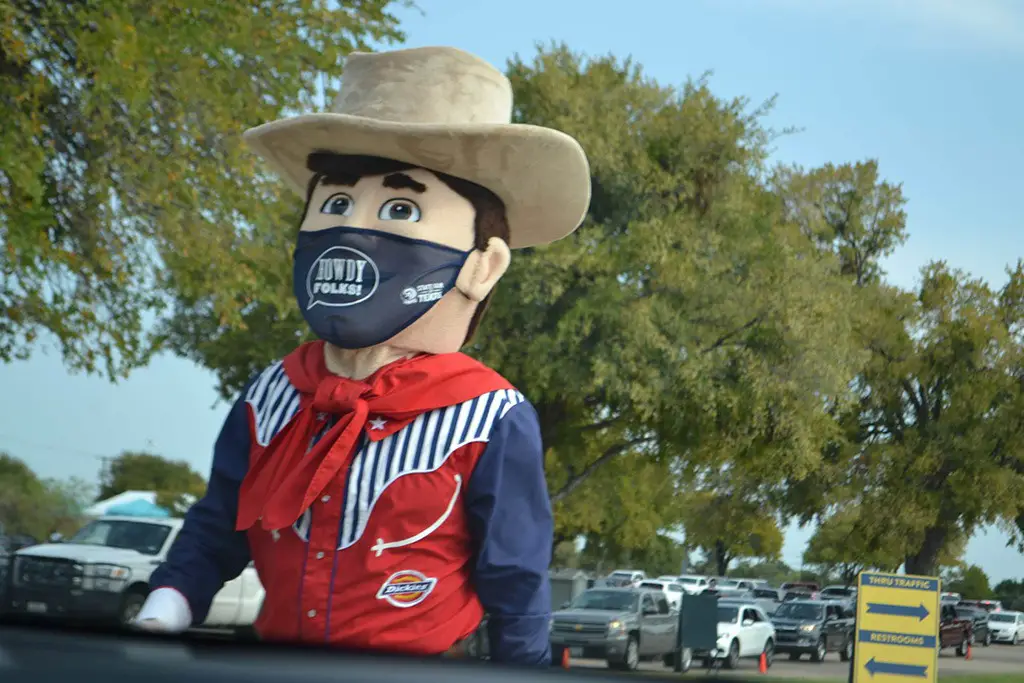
(616, 627)
(809, 628)
(105, 577)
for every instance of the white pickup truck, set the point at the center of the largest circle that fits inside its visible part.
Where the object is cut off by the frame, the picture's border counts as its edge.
(102, 573)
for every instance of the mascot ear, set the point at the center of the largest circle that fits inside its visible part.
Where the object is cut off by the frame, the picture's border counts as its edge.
(483, 269)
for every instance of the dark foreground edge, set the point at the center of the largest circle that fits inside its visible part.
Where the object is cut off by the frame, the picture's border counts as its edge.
(39, 653)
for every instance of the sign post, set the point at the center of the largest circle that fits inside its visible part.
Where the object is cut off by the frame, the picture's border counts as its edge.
(897, 629)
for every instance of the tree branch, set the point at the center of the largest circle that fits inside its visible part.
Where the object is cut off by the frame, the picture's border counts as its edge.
(718, 343)
(575, 481)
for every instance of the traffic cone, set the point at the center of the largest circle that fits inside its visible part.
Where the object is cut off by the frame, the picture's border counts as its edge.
(762, 664)
(968, 650)
(565, 658)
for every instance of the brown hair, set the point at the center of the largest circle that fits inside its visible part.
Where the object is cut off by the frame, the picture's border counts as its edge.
(347, 169)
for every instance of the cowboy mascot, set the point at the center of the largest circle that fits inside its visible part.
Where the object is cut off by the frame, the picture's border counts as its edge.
(390, 490)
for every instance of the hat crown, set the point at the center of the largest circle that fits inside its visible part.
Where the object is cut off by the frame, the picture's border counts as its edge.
(429, 85)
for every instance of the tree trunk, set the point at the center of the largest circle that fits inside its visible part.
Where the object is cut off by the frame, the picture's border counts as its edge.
(721, 558)
(924, 562)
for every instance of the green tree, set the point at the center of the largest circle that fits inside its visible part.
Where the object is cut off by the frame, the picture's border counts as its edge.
(38, 507)
(776, 572)
(940, 436)
(971, 582)
(659, 555)
(176, 484)
(122, 171)
(689, 321)
(841, 549)
(727, 527)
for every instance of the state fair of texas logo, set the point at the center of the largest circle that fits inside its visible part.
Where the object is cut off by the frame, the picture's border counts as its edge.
(406, 588)
(341, 276)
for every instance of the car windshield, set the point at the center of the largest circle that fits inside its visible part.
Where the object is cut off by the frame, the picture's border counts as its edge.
(653, 585)
(142, 537)
(728, 615)
(618, 601)
(1008, 618)
(798, 610)
(675, 588)
(766, 593)
(688, 579)
(728, 583)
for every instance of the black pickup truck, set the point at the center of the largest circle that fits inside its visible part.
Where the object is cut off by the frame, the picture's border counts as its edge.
(814, 627)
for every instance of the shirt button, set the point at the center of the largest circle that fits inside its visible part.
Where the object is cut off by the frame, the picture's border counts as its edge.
(319, 556)
(311, 613)
(325, 499)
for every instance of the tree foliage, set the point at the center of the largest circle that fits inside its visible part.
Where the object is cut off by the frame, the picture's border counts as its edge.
(123, 179)
(971, 582)
(38, 507)
(726, 528)
(940, 436)
(176, 484)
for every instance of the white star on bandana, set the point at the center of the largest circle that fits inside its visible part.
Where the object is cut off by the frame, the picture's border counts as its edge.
(377, 423)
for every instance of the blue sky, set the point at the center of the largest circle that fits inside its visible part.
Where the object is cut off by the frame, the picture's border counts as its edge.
(929, 87)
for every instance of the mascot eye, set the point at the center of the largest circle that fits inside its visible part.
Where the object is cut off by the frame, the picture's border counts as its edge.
(399, 210)
(339, 204)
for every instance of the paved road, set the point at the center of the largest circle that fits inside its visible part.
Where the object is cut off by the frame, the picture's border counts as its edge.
(984, 660)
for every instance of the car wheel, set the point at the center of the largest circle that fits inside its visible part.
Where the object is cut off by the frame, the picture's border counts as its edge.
(769, 653)
(1016, 639)
(846, 654)
(130, 608)
(684, 657)
(818, 655)
(630, 658)
(961, 649)
(988, 639)
(732, 660)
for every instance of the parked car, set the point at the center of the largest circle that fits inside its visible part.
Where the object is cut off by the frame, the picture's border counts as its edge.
(805, 586)
(744, 630)
(1007, 627)
(798, 594)
(102, 573)
(980, 630)
(673, 591)
(815, 628)
(953, 598)
(841, 593)
(734, 584)
(954, 631)
(990, 605)
(768, 598)
(693, 584)
(621, 578)
(619, 625)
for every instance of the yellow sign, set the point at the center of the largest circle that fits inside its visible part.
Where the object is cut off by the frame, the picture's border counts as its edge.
(897, 629)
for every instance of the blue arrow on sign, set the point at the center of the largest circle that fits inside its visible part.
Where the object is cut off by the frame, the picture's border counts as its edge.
(921, 612)
(875, 667)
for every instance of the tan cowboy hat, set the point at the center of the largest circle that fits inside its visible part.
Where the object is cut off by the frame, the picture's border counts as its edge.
(445, 110)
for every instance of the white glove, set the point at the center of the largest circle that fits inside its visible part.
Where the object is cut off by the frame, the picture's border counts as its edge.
(165, 611)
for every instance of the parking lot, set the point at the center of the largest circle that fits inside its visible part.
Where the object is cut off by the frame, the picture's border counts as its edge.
(997, 659)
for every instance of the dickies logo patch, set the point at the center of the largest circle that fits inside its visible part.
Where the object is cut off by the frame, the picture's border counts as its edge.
(406, 588)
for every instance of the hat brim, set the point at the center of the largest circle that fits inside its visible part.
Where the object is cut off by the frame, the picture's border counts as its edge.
(542, 175)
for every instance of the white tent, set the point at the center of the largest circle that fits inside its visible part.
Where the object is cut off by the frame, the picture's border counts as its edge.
(99, 509)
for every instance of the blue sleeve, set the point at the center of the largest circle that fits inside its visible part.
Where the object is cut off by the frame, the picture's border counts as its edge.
(208, 551)
(510, 518)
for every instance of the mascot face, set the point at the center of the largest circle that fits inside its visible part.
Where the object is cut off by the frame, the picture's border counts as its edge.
(392, 254)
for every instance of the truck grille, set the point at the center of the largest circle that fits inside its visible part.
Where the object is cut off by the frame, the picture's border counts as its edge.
(46, 571)
(570, 627)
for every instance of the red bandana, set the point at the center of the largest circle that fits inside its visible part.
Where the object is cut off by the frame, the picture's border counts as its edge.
(288, 477)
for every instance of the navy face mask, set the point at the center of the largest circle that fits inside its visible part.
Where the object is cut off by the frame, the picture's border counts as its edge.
(359, 288)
